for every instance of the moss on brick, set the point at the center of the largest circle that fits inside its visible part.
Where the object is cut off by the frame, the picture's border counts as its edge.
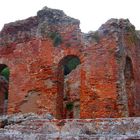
(56, 37)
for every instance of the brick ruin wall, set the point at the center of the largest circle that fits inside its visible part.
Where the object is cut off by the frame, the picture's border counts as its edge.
(106, 83)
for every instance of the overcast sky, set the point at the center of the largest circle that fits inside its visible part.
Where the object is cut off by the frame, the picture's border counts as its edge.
(91, 13)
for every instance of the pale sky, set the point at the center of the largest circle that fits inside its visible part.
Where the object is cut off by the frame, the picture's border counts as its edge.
(91, 13)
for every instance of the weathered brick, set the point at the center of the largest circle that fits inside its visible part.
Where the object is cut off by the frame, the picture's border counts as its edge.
(103, 84)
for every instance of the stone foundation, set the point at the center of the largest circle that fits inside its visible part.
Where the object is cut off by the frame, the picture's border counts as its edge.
(34, 127)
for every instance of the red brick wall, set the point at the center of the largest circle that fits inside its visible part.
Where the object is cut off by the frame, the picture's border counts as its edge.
(35, 76)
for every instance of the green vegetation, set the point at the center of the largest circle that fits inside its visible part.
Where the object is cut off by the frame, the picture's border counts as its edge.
(71, 64)
(69, 106)
(56, 37)
(5, 72)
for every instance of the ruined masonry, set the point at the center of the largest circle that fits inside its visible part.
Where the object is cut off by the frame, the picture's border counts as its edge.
(56, 69)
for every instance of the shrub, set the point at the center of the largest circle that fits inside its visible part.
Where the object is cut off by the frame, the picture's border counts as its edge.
(56, 37)
(70, 65)
(5, 72)
(69, 106)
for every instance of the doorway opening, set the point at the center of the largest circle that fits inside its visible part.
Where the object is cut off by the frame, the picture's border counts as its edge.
(68, 99)
(4, 85)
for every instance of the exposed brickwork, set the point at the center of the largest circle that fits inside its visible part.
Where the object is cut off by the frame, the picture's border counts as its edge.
(34, 48)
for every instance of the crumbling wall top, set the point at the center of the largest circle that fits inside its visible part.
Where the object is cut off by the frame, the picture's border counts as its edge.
(24, 30)
(113, 25)
(119, 26)
(54, 16)
(49, 20)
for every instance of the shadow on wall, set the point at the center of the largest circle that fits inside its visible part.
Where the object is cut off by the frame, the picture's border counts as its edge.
(4, 84)
(130, 86)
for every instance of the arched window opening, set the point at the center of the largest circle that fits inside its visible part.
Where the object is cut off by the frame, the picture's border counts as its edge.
(130, 86)
(70, 64)
(68, 100)
(4, 84)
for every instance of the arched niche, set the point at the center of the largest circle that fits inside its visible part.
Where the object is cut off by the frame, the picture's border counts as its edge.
(66, 106)
(4, 86)
(130, 86)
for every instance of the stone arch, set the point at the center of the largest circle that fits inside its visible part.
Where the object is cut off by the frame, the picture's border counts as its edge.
(61, 54)
(4, 86)
(130, 86)
(68, 106)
